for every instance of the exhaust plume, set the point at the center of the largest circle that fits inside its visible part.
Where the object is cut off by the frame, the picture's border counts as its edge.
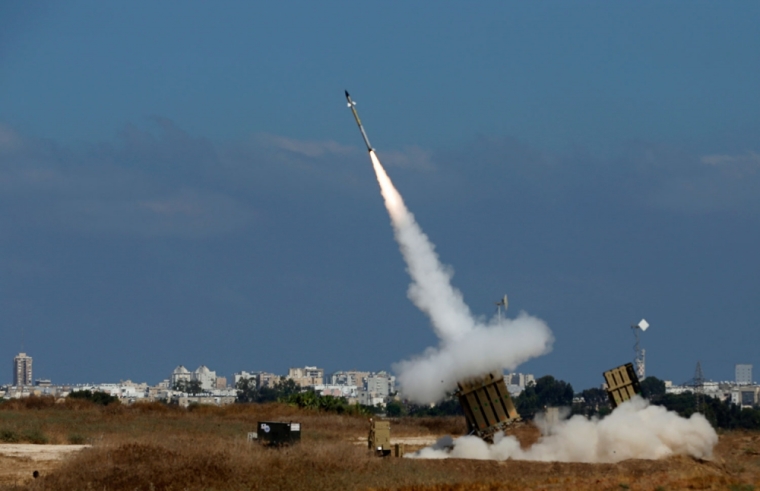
(634, 430)
(468, 347)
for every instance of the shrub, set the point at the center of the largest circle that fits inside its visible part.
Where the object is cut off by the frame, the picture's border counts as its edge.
(8, 436)
(77, 439)
(35, 436)
(96, 397)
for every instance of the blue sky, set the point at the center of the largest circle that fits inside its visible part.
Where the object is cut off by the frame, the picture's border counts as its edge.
(181, 182)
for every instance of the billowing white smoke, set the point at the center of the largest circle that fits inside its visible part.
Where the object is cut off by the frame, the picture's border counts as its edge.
(634, 430)
(468, 348)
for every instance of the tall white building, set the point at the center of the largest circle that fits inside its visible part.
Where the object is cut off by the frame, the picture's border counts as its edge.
(381, 384)
(744, 374)
(519, 379)
(180, 374)
(349, 377)
(242, 375)
(22, 370)
(206, 377)
(307, 376)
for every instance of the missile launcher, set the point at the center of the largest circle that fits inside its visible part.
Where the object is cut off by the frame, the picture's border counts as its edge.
(622, 384)
(487, 406)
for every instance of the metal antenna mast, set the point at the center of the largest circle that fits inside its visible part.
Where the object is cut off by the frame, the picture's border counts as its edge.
(639, 362)
(504, 302)
(699, 388)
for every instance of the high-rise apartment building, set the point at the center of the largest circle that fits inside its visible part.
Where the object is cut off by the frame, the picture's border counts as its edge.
(744, 374)
(22, 370)
(307, 376)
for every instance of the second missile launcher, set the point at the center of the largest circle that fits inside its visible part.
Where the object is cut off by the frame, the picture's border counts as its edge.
(487, 406)
(622, 384)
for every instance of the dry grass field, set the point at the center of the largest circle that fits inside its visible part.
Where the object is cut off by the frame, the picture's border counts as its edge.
(155, 447)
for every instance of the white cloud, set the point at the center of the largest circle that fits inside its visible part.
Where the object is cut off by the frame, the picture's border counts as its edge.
(187, 213)
(9, 139)
(308, 148)
(411, 157)
(751, 158)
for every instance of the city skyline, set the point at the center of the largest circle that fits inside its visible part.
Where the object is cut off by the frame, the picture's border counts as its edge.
(742, 375)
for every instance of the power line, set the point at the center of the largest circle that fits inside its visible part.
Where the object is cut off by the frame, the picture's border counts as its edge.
(699, 388)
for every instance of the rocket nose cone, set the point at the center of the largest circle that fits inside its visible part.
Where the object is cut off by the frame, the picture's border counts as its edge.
(346, 93)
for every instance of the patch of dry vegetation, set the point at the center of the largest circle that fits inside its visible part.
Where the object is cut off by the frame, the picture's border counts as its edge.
(153, 446)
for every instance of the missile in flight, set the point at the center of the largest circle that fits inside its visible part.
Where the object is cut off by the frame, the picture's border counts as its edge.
(352, 105)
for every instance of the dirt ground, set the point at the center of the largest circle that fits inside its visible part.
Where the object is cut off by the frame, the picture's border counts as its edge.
(158, 447)
(735, 466)
(19, 461)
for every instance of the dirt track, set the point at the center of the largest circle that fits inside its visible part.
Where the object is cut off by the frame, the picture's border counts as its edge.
(18, 461)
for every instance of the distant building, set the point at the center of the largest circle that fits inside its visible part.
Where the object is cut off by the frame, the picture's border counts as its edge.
(350, 377)
(221, 383)
(266, 379)
(381, 384)
(180, 374)
(22, 370)
(307, 376)
(347, 391)
(367, 398)
(520, 380)
(748, 397)
(206, 377)
(243, 375)
(744, 374)
(259, 379)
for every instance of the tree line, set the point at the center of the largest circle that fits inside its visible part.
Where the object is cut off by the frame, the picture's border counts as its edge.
(289, 392)
(594, 402)
(536, 397)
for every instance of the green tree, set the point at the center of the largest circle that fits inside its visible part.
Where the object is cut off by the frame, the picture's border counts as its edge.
(286, 387)
(97, 397)
(682, 404)
(720, 414)
(395, 409)
(596, 402)
(652, 388)
(333, 404)
(266, 394)
(447, 407)
(305, 400)
(246, 390)
(192, 387)
(311, 400)
(545, 392)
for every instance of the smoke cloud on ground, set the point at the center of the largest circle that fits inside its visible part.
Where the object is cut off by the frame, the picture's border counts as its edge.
(634, 430)
(468, 347)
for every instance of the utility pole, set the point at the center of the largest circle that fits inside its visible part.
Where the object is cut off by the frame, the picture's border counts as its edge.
(699, 388)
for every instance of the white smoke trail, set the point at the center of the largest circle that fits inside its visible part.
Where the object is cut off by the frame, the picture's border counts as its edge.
(634, 430)
(468, 348)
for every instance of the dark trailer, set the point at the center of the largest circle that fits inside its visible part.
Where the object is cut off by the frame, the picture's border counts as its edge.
(278, 433)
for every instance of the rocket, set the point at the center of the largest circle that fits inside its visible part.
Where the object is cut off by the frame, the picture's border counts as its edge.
(352, 105)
